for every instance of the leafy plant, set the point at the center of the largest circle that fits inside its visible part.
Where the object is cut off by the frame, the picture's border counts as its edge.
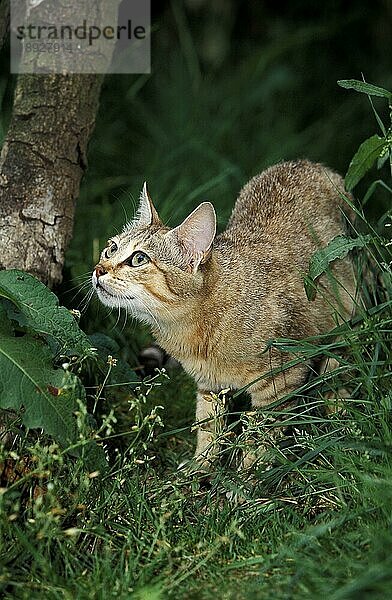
(36, 309)
(41, 349)
(374, 148)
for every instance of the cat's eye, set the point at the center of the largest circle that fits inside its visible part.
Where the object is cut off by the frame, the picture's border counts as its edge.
(110, 250)
(137, 259)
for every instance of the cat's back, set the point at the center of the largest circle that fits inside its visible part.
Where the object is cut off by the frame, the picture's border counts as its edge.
(287, 199)
(280, 219)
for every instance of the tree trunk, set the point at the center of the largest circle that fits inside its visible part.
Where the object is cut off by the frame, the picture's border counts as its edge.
(42, 162)
(44, 154)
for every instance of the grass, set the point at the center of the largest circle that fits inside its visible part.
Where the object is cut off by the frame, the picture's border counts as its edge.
(312, 526)
(315, 520)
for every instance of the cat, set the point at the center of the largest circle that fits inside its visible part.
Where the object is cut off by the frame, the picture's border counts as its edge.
(214, 301)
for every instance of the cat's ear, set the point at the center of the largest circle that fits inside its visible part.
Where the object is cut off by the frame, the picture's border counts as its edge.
(195, 235)
(146, 213)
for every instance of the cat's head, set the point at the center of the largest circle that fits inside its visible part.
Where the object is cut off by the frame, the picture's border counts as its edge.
(152, 270)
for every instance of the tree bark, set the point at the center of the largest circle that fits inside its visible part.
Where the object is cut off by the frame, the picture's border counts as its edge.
(44, 154)
(42, 162)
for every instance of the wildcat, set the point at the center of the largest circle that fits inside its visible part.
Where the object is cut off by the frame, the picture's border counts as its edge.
(214, 301)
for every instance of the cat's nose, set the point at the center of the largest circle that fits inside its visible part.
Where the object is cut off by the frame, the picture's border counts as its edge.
(99, 271)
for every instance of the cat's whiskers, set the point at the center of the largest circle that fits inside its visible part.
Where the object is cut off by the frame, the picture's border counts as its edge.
(118, 317)
(118, 321)
(87, 274)
(147, 309)
(80, 281)
(152, 316)
(80, 287)
(83, 304)
(116, 293)
(165, 309)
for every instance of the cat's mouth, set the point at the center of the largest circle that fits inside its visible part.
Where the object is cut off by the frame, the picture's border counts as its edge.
(102, 290)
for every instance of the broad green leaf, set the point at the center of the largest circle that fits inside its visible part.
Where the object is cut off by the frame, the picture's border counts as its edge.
(365, 88)
(48, 397)
(29, 381)
(366, 155)
(37, 309)
(339, 247)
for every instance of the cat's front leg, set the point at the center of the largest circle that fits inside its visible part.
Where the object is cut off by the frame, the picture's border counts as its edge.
(209, 419)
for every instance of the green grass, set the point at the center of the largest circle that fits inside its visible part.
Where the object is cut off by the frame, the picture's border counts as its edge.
(315, 520)
(312, 526)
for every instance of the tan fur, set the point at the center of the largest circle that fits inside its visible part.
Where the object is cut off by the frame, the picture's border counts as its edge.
(216, 318)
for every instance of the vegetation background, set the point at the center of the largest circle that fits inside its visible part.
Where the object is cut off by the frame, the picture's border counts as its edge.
(235, 87)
